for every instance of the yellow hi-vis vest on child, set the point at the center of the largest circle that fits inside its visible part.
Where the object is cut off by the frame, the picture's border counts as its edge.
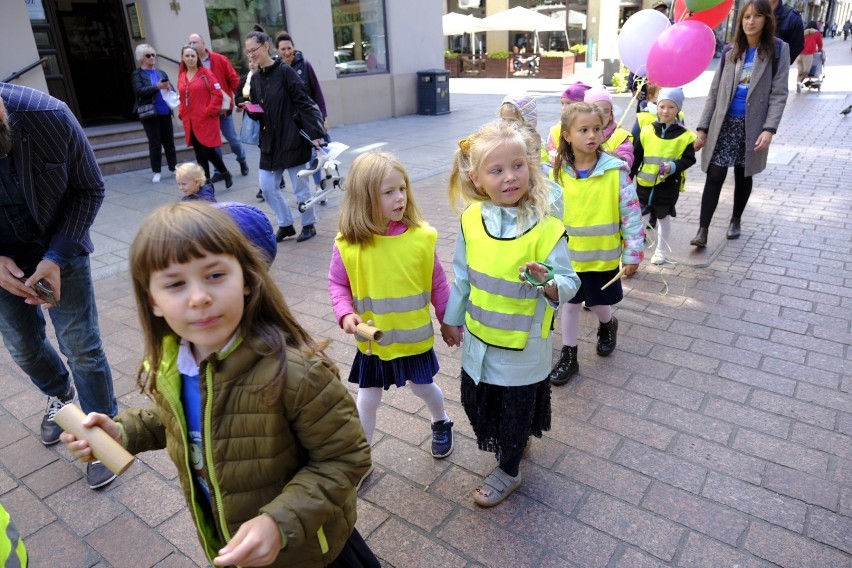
(391, 284)
(618, 136)
(13, 554)
(659, 151)
(592, 221)
(500, 308)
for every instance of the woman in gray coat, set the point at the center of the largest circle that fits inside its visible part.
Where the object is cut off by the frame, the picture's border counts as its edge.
(742, 112)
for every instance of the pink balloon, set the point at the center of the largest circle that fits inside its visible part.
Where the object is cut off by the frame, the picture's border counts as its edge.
(680, 54)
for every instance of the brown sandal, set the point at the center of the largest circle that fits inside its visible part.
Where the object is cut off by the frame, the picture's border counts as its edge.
(496, 487)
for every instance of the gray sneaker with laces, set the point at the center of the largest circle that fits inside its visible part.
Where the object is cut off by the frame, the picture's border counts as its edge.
(50, 430)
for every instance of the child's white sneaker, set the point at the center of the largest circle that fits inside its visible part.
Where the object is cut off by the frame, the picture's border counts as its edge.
(659, 257)
(156, 178)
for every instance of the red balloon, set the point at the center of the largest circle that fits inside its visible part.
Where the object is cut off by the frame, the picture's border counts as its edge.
(712, 16)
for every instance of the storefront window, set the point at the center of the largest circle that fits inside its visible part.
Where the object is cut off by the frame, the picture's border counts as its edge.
(360, 44)
(231, 20)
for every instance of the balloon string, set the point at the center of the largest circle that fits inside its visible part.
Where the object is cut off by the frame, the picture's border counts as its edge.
(685, 15)
(638, 83)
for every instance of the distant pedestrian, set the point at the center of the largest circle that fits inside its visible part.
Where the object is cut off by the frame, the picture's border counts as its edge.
(264, 437)
(228, 80)
(813, 45)
(51, 189)
(193, 183)
(833, 29)
(736, 132)
(150, 83)
(505, 324)
(384, 268)
(847, 29)
(573, 94)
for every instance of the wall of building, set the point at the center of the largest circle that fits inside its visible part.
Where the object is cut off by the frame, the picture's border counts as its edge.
(18, 46)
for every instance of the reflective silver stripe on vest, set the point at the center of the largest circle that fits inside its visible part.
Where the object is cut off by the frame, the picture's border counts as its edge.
(593, 230)
(392, 305)
(646, 176)
(591, 255)
(392, 336)
(500, 287)
(655, 160)
(14, 539)
(497, 320)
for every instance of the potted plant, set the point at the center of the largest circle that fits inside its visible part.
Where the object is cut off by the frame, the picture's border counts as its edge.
(556, 65)
(579, 50)
(497, 64)
(452, 63)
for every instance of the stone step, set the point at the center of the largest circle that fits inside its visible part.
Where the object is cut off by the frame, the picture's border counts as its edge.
(139, 160)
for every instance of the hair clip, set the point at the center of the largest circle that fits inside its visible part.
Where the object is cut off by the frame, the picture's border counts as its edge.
(464, 144)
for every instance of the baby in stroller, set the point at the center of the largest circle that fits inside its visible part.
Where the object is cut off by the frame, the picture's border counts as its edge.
(817, 72)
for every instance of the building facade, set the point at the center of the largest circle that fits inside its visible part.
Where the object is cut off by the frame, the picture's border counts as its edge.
(365, 52)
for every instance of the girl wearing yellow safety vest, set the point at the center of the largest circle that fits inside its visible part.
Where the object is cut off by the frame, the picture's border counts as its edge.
(511, 271)
(604, 229)
(13, 554)
(384, 268)
(663, 152)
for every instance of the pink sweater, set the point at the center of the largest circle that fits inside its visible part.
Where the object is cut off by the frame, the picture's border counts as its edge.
(341, 292)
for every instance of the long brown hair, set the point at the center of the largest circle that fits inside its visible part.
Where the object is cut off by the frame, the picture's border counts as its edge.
(766, 45)
(361, 210)
(186, 231)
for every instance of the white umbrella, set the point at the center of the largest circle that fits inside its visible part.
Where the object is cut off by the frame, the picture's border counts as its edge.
(525, 20)
(460, 24)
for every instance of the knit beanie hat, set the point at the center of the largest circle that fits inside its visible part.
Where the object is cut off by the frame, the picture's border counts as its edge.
(575, 92)
(254, 225)
(599, 93)
(526, 105)
(674, 95)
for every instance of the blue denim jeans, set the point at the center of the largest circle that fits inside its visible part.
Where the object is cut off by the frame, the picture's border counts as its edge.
(226, 125)
(76, 323)
(275, 197)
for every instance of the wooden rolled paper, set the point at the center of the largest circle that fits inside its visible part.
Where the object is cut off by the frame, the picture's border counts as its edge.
(369, 332)
(104, 448)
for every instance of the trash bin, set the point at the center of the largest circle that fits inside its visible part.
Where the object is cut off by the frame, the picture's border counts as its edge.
(433, 91)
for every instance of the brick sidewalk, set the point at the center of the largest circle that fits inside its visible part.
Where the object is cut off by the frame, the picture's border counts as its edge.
(717, 434)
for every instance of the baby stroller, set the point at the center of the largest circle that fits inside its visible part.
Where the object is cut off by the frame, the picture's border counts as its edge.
(817, 72)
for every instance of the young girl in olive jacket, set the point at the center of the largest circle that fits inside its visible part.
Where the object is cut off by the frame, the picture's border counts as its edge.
(265, 437)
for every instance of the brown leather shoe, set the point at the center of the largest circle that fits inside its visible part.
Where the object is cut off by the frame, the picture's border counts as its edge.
(734, 228)
(700, 239)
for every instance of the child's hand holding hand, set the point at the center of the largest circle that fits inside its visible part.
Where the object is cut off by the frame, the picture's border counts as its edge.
(453, 334)
(349, 323)
(80, 448)
(257, 543)
(630, 269)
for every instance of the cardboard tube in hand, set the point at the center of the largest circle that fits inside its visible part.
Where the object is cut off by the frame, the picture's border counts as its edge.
(104, 448)
(369, 332)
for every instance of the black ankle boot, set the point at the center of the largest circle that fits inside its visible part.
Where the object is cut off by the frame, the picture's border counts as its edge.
(566, 367)
(700, 239)
(734, 228)
(606, 337)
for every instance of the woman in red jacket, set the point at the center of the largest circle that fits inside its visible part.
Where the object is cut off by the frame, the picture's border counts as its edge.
(200, 102)
(813, 44)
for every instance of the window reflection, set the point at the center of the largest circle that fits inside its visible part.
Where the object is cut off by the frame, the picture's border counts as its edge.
(230, 21)
(359, 37)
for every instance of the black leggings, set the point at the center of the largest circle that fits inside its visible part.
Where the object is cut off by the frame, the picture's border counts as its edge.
(206, 156)
(713, 188)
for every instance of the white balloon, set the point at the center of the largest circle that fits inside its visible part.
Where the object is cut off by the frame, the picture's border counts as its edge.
(638, 35)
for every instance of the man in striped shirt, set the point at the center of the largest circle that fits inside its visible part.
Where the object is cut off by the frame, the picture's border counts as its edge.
(50, 191)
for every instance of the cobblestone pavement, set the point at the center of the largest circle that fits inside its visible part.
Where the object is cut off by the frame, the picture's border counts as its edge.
(717, 434)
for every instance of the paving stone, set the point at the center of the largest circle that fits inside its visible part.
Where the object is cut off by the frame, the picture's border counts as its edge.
(83, 510)
(407, 427)
(696, 513)
(702, 552)
(408, 503)
(611, 396)
(180, 532)
(719, 458)
(762, 503)
(688, 359)
(370, 518)
(603, 475)
(577, 542)
(830, 528)
(829, 398)
(486, 543)
(748, 417)
(26, 456)
(797, 410)
(803, 373)
(821, 439)
(785, 453)
(789, 549)
(633, 427)
(458, 485)
(51, 478)
(135, 494)
(711, 384)
(418, 466)
(633, 558)
(550, 489)
(55, 545)
(660, 466)
(127, 542)
(801, 486)
(11, 431)
(691, 422)
(28, 512)
(666, 391)
(631, 524)
(756, 378)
